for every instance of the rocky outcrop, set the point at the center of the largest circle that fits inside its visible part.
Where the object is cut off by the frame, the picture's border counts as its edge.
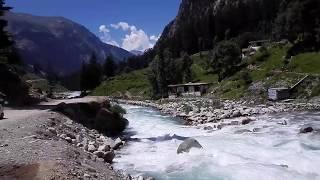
(187, 145)
(95, 115)
(98, 145)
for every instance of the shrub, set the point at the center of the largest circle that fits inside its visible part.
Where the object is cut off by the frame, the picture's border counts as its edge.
(263, 54)
(245, 76)
(118, 110)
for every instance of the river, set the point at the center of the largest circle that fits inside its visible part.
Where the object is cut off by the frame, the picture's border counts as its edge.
(274, 152)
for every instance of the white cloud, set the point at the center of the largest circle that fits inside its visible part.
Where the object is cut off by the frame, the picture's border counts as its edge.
(104, 29)
(106, 37)
(135, 39)
(113, 42)
(123, 25)
(155, 38)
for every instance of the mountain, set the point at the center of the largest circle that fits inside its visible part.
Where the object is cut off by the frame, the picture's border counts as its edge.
(200, 24)
(136, 52)
(56, 43)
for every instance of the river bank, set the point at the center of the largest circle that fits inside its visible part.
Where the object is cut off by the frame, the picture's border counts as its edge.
(202, 111)
(234, 152)
(50, 141)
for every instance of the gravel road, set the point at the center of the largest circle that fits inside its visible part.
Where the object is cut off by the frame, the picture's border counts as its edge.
(28, 151)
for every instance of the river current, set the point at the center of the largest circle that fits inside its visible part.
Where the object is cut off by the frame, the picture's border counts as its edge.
(273, 152)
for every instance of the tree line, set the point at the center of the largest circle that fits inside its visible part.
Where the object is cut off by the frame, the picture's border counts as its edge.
(92, 73)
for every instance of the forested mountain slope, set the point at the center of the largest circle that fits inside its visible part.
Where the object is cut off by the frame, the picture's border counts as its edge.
(199, 25)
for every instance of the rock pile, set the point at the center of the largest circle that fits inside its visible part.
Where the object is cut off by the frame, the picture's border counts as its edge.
(95, 115)
(97, 145)
(203, 110)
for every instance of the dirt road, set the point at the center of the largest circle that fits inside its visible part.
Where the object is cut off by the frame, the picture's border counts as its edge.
(28, 151)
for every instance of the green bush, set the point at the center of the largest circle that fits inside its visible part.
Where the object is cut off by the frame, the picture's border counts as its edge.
(245, 76)
(118, 110)
(263, 55)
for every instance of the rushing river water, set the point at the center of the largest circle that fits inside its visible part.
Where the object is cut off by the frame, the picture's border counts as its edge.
(275, 152)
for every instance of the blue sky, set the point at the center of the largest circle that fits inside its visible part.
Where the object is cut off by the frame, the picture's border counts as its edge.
(130, 24)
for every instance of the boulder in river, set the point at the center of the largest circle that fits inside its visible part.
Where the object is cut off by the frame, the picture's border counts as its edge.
(188, 144)
(246, 121)
(305, 130)
(108, 156)
(108, 121)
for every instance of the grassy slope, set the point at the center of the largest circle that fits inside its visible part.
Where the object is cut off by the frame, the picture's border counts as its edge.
(269, 69)
(41, 83)
(134, 83)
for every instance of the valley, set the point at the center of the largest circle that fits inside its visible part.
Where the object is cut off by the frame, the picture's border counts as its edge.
(165, 90)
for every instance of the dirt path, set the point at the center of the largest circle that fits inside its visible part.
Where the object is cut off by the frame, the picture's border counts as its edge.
(28, 151)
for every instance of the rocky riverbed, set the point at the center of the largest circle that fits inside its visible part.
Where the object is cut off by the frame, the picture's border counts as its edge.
(200, 111)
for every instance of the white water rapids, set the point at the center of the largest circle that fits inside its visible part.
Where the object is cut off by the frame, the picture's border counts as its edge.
(275, 152)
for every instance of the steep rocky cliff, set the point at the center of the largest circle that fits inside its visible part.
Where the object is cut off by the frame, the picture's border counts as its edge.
(200, 24)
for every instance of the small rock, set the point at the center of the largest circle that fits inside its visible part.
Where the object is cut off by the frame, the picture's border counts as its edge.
(100, 159)
(150, 178)
(140, 178)
(92, 143)
(63, 136)
(99, 154)
(305, 130)
(284, 166)
(86, 176)
(208, 128)
(91, 148)
(108, 156)
(69, 122)
(241, 131)
(78, 138)
(4, 145)
(104, 148)
(188, 144)
(71, 136)
(256, 129)
(68, 139)
(117, 144)
(52, 130)
(220, 126)
(284, 123)
(234, 123)
(246, 121)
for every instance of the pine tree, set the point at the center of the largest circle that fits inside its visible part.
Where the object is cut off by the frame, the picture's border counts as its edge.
(109, 67)
(186, 67)
(226, 57)
(5, 40)
(91, 74)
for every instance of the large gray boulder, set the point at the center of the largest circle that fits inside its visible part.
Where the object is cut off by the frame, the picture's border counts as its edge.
(188, 144)
(107, 121)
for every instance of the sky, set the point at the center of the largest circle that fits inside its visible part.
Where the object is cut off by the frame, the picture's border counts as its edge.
(129, 24)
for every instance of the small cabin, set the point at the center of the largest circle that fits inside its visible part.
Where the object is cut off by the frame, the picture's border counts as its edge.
(188, 90)
(275, 94)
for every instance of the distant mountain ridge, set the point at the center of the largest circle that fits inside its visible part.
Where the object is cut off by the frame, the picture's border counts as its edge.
(136, 52)
(56, 43)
